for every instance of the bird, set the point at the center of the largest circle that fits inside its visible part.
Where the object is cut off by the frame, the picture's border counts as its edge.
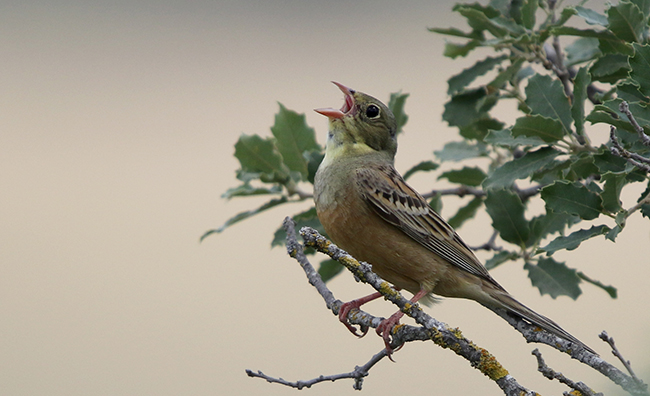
(367, 208)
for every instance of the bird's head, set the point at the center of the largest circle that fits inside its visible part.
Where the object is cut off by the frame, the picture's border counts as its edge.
(363, 123)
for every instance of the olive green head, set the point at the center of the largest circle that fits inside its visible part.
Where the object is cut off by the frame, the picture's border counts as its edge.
(363, 121)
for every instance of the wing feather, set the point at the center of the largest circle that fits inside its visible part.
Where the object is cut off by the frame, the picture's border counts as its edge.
(386, 192)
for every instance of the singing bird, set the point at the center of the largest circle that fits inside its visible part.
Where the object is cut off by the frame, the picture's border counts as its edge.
(368, 210)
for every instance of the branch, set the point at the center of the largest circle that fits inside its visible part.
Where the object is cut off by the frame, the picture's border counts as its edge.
(552, 374)
(605, 337)
(463, 190)
(633, 158)
(459, 191)
(625, 109)
(430, 329)
(490, 245)
(358, 374)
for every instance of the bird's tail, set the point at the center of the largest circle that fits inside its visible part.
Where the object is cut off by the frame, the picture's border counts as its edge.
(506, 301)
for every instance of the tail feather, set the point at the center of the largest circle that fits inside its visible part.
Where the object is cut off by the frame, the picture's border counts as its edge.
(508, 302)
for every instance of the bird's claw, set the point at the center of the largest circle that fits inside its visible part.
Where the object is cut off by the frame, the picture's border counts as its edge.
(385, 329)
(343, 317)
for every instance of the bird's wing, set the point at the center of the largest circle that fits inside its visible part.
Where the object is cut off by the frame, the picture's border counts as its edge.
(387, 193)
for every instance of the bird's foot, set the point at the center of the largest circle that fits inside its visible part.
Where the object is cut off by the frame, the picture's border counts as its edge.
(355, 304)
(385, 329)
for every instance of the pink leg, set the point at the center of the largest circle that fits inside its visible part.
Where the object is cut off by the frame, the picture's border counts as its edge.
(349, 306)
(386, 326)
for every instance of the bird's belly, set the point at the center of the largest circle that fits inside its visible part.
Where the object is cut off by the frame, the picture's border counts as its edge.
(394, 256)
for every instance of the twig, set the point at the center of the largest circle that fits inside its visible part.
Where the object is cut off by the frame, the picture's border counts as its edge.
(490, 245)
(638, 205)
(552, 374)
(625, 109)
(463, 190)
(605, 337)
(459, 191)
(633, 158)
(358, 374)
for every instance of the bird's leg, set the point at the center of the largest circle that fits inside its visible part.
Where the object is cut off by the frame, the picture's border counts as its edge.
(349, 306)
(386, 326)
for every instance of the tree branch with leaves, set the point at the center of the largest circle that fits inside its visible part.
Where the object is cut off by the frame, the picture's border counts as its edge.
(602, 76)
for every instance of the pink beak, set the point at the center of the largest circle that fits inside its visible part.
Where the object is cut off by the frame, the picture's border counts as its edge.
(347, 106)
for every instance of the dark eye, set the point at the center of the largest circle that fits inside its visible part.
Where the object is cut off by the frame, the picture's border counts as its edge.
(372, 111)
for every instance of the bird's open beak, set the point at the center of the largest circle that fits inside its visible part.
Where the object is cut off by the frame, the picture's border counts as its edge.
(348, 106)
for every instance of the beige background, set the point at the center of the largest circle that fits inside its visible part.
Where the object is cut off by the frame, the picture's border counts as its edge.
(117, 125)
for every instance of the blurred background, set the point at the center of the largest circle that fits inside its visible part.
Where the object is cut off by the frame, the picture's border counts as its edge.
(117, 126)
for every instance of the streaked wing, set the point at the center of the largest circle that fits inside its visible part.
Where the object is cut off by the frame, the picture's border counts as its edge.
(400, 205)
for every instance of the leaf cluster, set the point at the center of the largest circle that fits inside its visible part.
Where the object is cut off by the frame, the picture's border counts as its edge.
(545, 153)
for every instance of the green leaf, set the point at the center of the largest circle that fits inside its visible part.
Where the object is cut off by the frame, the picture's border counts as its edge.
(629, 91)
(580, 83)
(553, 278)
(465, 108)
(314, 158)
(507, 213)
(458, 151)
(308, 218)
(547, 224)
(547, 129)
(611, 290)
(465, 213)
(455, 32)
(329, 269)
(261, 156)
(424, 166)
(612, 192)
(644, 6)
(244, 215)
(528, 10)
(479, 129)
(396, 106)
(583, 166)
(478, 20)
(598, 116)
(504, 138)
(626, 21)
(467, 176)
(461, 80)
(574, 240)
(246, 190)
(453, 50)
(572, 199)
(591, 17)
(508, 74)
(608, 43)
(293, 138)
(610, 68)
(608, 162)
(640, 64)
(520, 168)
(545, 96)
(500, 258)
(582, 50)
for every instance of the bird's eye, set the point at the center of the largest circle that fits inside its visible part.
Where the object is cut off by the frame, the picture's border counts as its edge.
(372, 111)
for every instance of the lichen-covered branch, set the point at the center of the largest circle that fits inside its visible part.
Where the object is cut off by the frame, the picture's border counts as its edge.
(429, 329)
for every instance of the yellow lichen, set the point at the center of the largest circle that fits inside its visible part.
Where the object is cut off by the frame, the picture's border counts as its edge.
(489, 366)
